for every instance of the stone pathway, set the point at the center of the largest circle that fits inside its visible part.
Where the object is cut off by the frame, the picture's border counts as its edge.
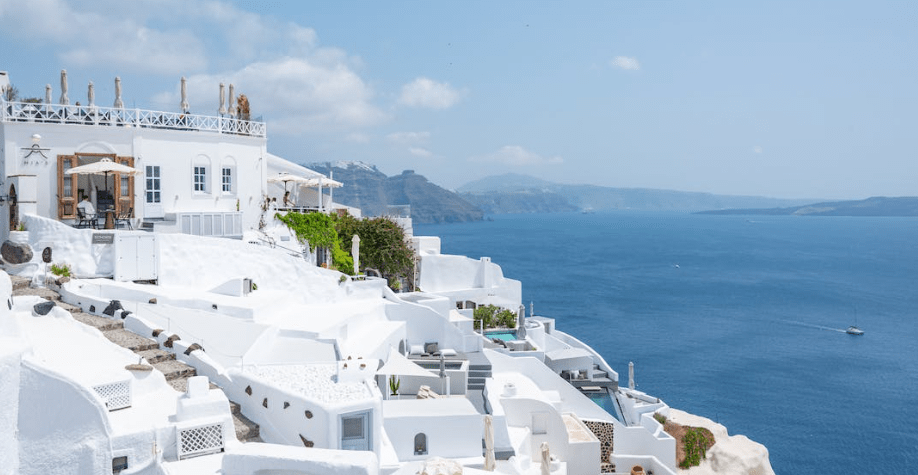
(176, 372)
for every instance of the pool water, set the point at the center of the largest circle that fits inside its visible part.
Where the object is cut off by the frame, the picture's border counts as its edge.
(604, 400)
(505, 335)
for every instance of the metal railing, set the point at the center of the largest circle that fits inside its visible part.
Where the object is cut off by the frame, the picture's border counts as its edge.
(117, 117)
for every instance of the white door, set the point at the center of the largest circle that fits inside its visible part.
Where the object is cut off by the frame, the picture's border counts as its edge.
(153, 193)
(355, 431)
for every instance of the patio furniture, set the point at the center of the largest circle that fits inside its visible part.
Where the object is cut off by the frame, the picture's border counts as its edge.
(85, 220)
(125, 219)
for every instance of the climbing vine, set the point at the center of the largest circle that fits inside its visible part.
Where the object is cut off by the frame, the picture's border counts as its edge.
(382, 246)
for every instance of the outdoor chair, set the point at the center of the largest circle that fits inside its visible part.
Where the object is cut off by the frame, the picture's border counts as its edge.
(85, 220)
(125, 219)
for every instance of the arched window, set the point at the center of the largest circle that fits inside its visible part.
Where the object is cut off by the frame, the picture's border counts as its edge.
(420, 444)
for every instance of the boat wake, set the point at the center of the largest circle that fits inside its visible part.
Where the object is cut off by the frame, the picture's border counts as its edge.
(818, 327)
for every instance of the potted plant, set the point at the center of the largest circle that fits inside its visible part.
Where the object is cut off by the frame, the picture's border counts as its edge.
(394, 384)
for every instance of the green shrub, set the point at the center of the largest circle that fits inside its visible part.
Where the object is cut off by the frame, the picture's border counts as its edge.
(695, 442)
(494, 316)
(62, 270)
(659, 417)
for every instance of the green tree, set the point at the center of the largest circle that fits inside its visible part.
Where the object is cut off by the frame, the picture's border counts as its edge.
(382, 246)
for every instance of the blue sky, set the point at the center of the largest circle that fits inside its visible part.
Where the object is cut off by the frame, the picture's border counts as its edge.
(786, 99)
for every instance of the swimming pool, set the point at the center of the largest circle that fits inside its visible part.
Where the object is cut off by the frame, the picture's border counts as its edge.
(505, 335)
(604, 400)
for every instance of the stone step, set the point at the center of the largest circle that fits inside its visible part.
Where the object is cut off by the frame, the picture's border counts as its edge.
(131, 341)
(246, 429)
(235, 408)
(101, 323)
(156, 355)
(43, 292)
(173, 369)
(20, 283)
(181, 384)
(70, 308)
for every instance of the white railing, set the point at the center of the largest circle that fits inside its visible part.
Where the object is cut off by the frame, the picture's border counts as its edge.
(116, 117)
(199, 439)
(116, 395)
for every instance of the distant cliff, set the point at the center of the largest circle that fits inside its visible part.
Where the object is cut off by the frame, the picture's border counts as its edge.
(369, 189)
(876, 206)
(513, 193)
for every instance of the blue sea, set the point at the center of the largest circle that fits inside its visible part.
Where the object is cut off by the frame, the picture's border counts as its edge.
(739, 319)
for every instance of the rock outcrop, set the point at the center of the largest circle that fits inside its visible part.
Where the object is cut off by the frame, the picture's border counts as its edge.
(733, 455)
(16, 252)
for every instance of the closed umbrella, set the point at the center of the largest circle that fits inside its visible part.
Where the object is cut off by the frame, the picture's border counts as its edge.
(119, 104)
(546, 459)
(64, 99)
(355, 253)
(47, 94)
(222, 99)
(184, 104)
(489, 462)
(232, 102)
(91, 95)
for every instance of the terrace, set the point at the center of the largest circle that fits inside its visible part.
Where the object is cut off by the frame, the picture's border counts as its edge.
(121, 117)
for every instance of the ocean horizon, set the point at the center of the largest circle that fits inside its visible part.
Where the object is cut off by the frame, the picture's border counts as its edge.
(740, 319)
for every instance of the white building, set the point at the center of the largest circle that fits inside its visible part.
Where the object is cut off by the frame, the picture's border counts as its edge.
(201, 174)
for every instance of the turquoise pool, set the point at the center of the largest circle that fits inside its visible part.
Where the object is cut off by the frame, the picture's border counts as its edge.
(604, 400)
(505, 335)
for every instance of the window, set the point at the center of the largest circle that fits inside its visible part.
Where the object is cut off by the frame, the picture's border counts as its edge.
(420, 444)
(227, 180)
(539, 423)
(355, 431)
(200, 179)
(154, 192)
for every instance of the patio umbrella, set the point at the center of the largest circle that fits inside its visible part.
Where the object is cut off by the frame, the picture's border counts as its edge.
(222, 99)
(184, 104)
(287, 178)
(91, 95)
(64, 99)
(489, 462)
(119, 104)
(546, 459)
(47, 94)
(232, 102)
(103, 167)
(355, 253)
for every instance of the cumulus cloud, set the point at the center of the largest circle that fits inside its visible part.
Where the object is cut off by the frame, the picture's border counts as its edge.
(427, 93)
(626, 63)
(408, 137)
(515, 155)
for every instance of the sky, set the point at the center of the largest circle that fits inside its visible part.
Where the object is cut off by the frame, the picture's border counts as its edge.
(815, 99)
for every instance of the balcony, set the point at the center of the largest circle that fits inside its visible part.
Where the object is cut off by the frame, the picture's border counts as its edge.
(116, 117)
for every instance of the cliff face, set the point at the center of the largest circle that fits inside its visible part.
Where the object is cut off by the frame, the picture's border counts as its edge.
(369, 189)
(730, 454)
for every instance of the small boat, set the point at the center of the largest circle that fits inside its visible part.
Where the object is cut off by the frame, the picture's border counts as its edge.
(854, 330)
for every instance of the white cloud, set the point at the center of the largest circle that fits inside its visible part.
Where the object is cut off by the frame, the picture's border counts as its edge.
(408, 137)
(757, 149)
(626, 63)
(424, 92)
(515, 155)
(420, 152)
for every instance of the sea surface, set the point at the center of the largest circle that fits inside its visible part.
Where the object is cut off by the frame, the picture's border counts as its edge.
(739, 319)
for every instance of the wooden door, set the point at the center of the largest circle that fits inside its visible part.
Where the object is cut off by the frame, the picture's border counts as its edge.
(66, 187)
(124, 188)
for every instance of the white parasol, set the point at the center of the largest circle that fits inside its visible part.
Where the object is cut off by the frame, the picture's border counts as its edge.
(546, 459)
(232, 102)
(287, 178)
(47, 94)
(103, 167)
(64, 99)
(489, 462)
(184, 104)
(222, 99)
(119, 104)
(355, 253)
(91, 95)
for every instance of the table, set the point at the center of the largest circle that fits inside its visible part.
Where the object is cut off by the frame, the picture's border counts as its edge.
(109, 219)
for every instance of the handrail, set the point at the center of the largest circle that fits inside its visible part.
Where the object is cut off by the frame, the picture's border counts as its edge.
(118, 117)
